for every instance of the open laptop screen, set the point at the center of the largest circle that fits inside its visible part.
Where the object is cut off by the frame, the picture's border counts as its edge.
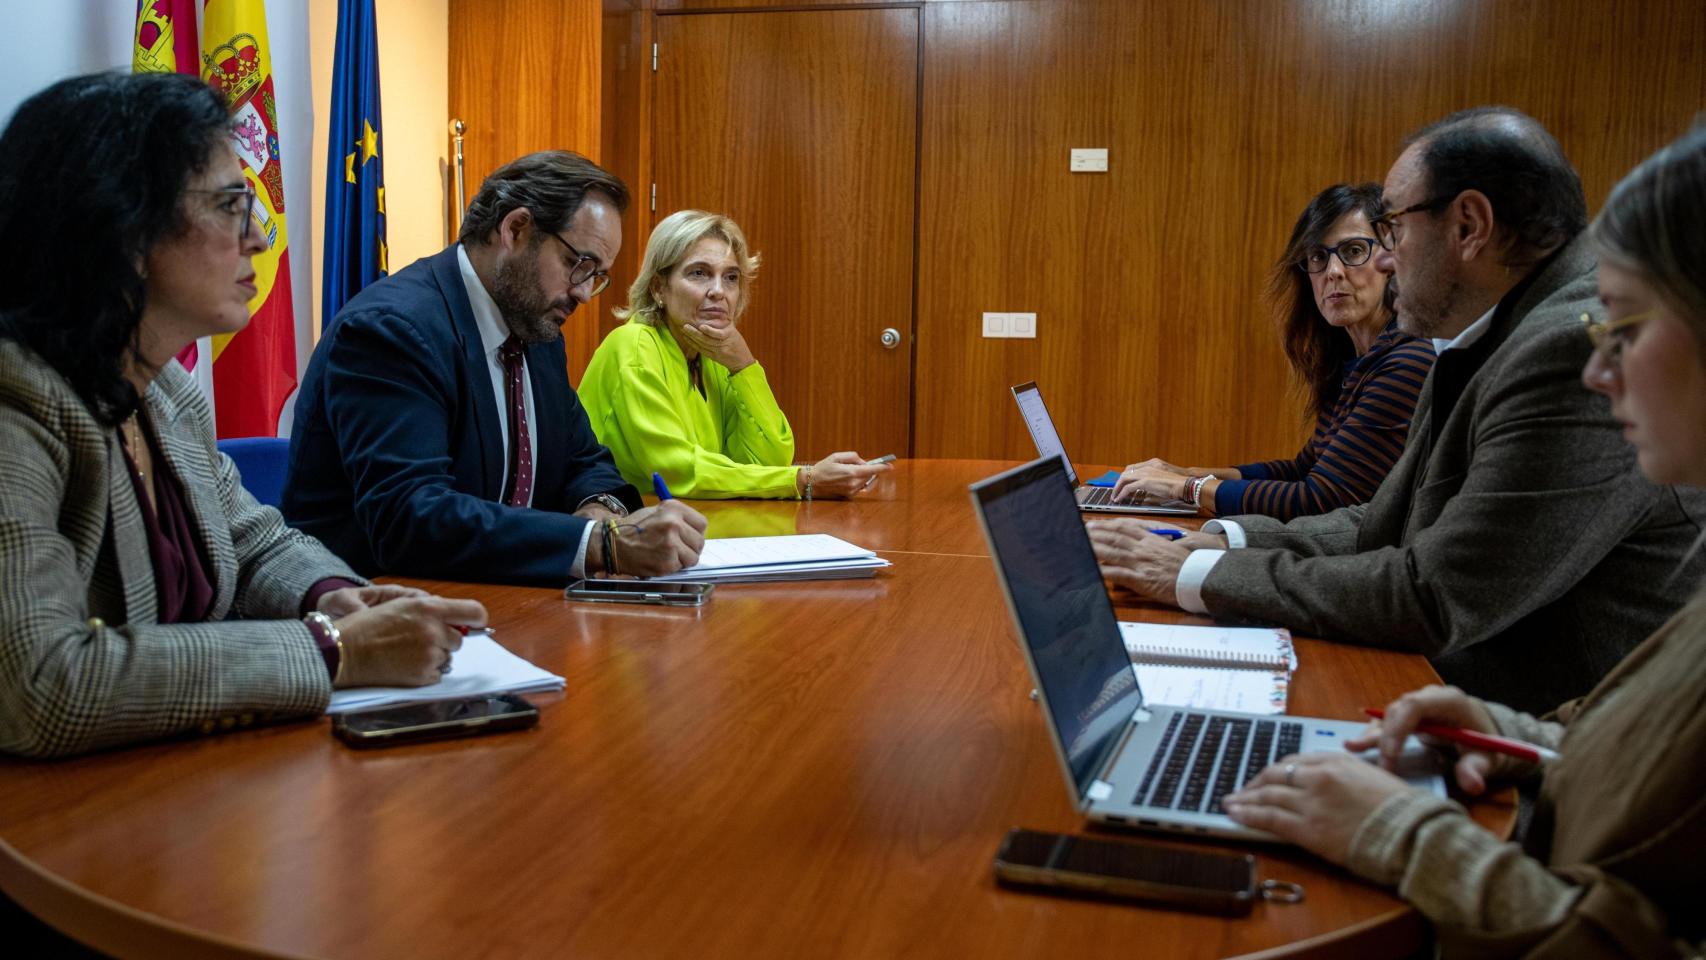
(1048, 570)
(1041, 425)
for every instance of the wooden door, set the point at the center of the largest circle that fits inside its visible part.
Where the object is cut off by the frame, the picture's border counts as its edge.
(803, 127)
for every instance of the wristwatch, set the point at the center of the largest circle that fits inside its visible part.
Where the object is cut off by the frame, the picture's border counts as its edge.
(608, 502)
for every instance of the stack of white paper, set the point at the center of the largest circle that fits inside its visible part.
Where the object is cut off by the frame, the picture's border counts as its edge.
(809, 556)
(481, 667)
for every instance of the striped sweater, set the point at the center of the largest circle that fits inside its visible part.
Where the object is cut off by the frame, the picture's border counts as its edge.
(1355, 443)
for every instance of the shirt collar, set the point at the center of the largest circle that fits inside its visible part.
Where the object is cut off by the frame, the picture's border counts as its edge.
(493, 331)
(1475, 331)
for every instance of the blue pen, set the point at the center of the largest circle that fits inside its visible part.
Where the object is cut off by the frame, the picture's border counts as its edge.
(1167, 532)
(662, 491)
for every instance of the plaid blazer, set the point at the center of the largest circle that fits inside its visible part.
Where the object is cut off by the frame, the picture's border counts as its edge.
(83, 662)
(1515, 542)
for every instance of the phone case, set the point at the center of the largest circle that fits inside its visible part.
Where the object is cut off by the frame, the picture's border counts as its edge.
(446, 730)
(1217, 883)
(591, 592)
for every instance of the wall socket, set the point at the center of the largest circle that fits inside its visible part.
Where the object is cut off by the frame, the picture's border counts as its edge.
(1090, 160)
(1010, 325)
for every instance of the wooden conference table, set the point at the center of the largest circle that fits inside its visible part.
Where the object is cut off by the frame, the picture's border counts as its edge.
(807, 769)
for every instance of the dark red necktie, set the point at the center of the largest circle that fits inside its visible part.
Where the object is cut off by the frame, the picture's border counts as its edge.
(521, 445)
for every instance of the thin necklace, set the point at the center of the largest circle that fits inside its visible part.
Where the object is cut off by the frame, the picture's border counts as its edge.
(133, 439)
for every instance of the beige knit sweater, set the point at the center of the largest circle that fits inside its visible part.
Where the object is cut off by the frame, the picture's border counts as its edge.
(1614, 864)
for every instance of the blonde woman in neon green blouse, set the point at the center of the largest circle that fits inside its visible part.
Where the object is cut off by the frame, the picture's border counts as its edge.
(676, 390)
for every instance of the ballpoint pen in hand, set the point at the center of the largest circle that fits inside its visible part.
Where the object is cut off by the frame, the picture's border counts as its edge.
(659, 488)
(1520, 749)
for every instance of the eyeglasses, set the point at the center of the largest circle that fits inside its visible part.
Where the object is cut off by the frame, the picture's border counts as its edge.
(584, 268)
(1611, 337)
(1388, 231)
(1352, 252)
(245, 210)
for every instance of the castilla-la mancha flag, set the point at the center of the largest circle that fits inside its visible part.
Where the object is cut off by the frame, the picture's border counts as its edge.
(254, 370)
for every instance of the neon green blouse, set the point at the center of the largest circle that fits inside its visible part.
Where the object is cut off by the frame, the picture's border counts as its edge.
(732, 442)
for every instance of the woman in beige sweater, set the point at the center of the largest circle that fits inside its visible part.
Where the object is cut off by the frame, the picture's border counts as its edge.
(1614, 861)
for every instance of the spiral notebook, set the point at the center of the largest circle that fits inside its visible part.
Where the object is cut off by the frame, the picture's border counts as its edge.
(1247, 669)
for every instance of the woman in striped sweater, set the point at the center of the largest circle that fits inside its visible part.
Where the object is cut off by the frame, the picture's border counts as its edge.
(1361, 375)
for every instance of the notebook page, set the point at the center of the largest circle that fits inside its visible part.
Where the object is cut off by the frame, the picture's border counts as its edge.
(1244, 691)
(765, 551)
(480, 667)
(1264, 647)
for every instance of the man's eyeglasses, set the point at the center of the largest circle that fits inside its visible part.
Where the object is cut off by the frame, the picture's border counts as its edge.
(240, 203)
(1610, 337)
(1352, 252)
(1387, 229)
(584, 268)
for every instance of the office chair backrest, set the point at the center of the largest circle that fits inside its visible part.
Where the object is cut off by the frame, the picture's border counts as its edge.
(262, 462)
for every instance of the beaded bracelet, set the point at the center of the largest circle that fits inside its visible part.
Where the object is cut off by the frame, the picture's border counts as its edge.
(808, 472)
(1194, 486)
(325, 630)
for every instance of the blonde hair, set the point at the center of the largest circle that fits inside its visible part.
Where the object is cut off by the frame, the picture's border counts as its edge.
(671, 239)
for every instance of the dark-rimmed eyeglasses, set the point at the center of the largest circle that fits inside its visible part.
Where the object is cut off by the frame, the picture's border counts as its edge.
(1611, 337)
(584, 268)
(1351, 251)
(241, 205)
(1388, 231)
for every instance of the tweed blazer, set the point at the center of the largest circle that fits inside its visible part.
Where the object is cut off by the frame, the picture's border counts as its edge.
(84, 663)
(1515, 542)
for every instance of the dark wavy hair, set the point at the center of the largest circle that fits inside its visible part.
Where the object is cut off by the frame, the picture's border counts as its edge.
(551, 184)
(92, 172)
(1508, 156)
(1318, 350)
(1652, 224)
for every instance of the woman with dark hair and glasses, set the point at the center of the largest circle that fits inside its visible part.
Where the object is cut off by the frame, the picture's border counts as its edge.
(1359, 374)
(143, 592)
(1610, 865)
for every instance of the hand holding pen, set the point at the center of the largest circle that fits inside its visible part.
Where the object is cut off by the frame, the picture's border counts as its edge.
(1449, 714)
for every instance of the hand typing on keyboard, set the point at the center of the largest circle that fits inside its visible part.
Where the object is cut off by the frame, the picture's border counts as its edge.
(1315, 800)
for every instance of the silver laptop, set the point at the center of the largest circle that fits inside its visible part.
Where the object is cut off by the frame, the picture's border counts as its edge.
(1090, 499)
(1127, 762)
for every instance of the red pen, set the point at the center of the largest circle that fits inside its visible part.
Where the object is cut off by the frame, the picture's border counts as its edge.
(1522, 750)
(468, 631)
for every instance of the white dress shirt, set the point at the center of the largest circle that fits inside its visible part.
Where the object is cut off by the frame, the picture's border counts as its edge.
(1194, 572)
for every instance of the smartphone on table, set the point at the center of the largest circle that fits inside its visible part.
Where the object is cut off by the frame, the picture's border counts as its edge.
(1209, 882)
(640, 591)
(434, 720)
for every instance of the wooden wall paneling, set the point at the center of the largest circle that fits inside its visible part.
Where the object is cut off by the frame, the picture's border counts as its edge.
(1223, 118)
(626, 93)
(526, 75)
(802, 126)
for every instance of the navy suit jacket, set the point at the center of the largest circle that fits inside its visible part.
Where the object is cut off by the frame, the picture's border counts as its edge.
(396, 456)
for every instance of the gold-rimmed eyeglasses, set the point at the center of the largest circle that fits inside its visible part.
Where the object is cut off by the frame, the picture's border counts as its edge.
(1611, 337)
(584, 268)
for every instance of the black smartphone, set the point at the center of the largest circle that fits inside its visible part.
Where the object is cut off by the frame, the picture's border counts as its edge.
(434, 720)
(640, 591)
(1220, 883)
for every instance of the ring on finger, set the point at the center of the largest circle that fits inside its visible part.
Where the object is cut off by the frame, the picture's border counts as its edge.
(1291, 774)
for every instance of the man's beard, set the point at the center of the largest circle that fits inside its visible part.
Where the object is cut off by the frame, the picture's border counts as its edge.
(1426, 301)
(522, 302)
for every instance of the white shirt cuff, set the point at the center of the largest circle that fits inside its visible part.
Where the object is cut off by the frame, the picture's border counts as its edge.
(577, 570)
(1188, 586)
(1235, 539)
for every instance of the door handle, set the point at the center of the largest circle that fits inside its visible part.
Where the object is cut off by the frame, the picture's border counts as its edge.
(890, 338)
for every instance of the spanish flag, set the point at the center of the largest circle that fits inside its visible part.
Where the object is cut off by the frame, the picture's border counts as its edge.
(165, 43)
(254, 370)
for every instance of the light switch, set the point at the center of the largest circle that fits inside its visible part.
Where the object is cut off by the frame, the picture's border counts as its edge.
(1090, 160)
(995, 325)
(1022, 325)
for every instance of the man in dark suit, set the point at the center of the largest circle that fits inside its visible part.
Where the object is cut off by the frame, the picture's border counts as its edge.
(436, 433)
(1514, 542)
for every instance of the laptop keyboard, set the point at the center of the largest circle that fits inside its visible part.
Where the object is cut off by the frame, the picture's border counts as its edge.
(1203, 758)
(1095, 496)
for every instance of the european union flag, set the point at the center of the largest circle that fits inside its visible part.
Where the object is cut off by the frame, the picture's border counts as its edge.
(355, 174)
